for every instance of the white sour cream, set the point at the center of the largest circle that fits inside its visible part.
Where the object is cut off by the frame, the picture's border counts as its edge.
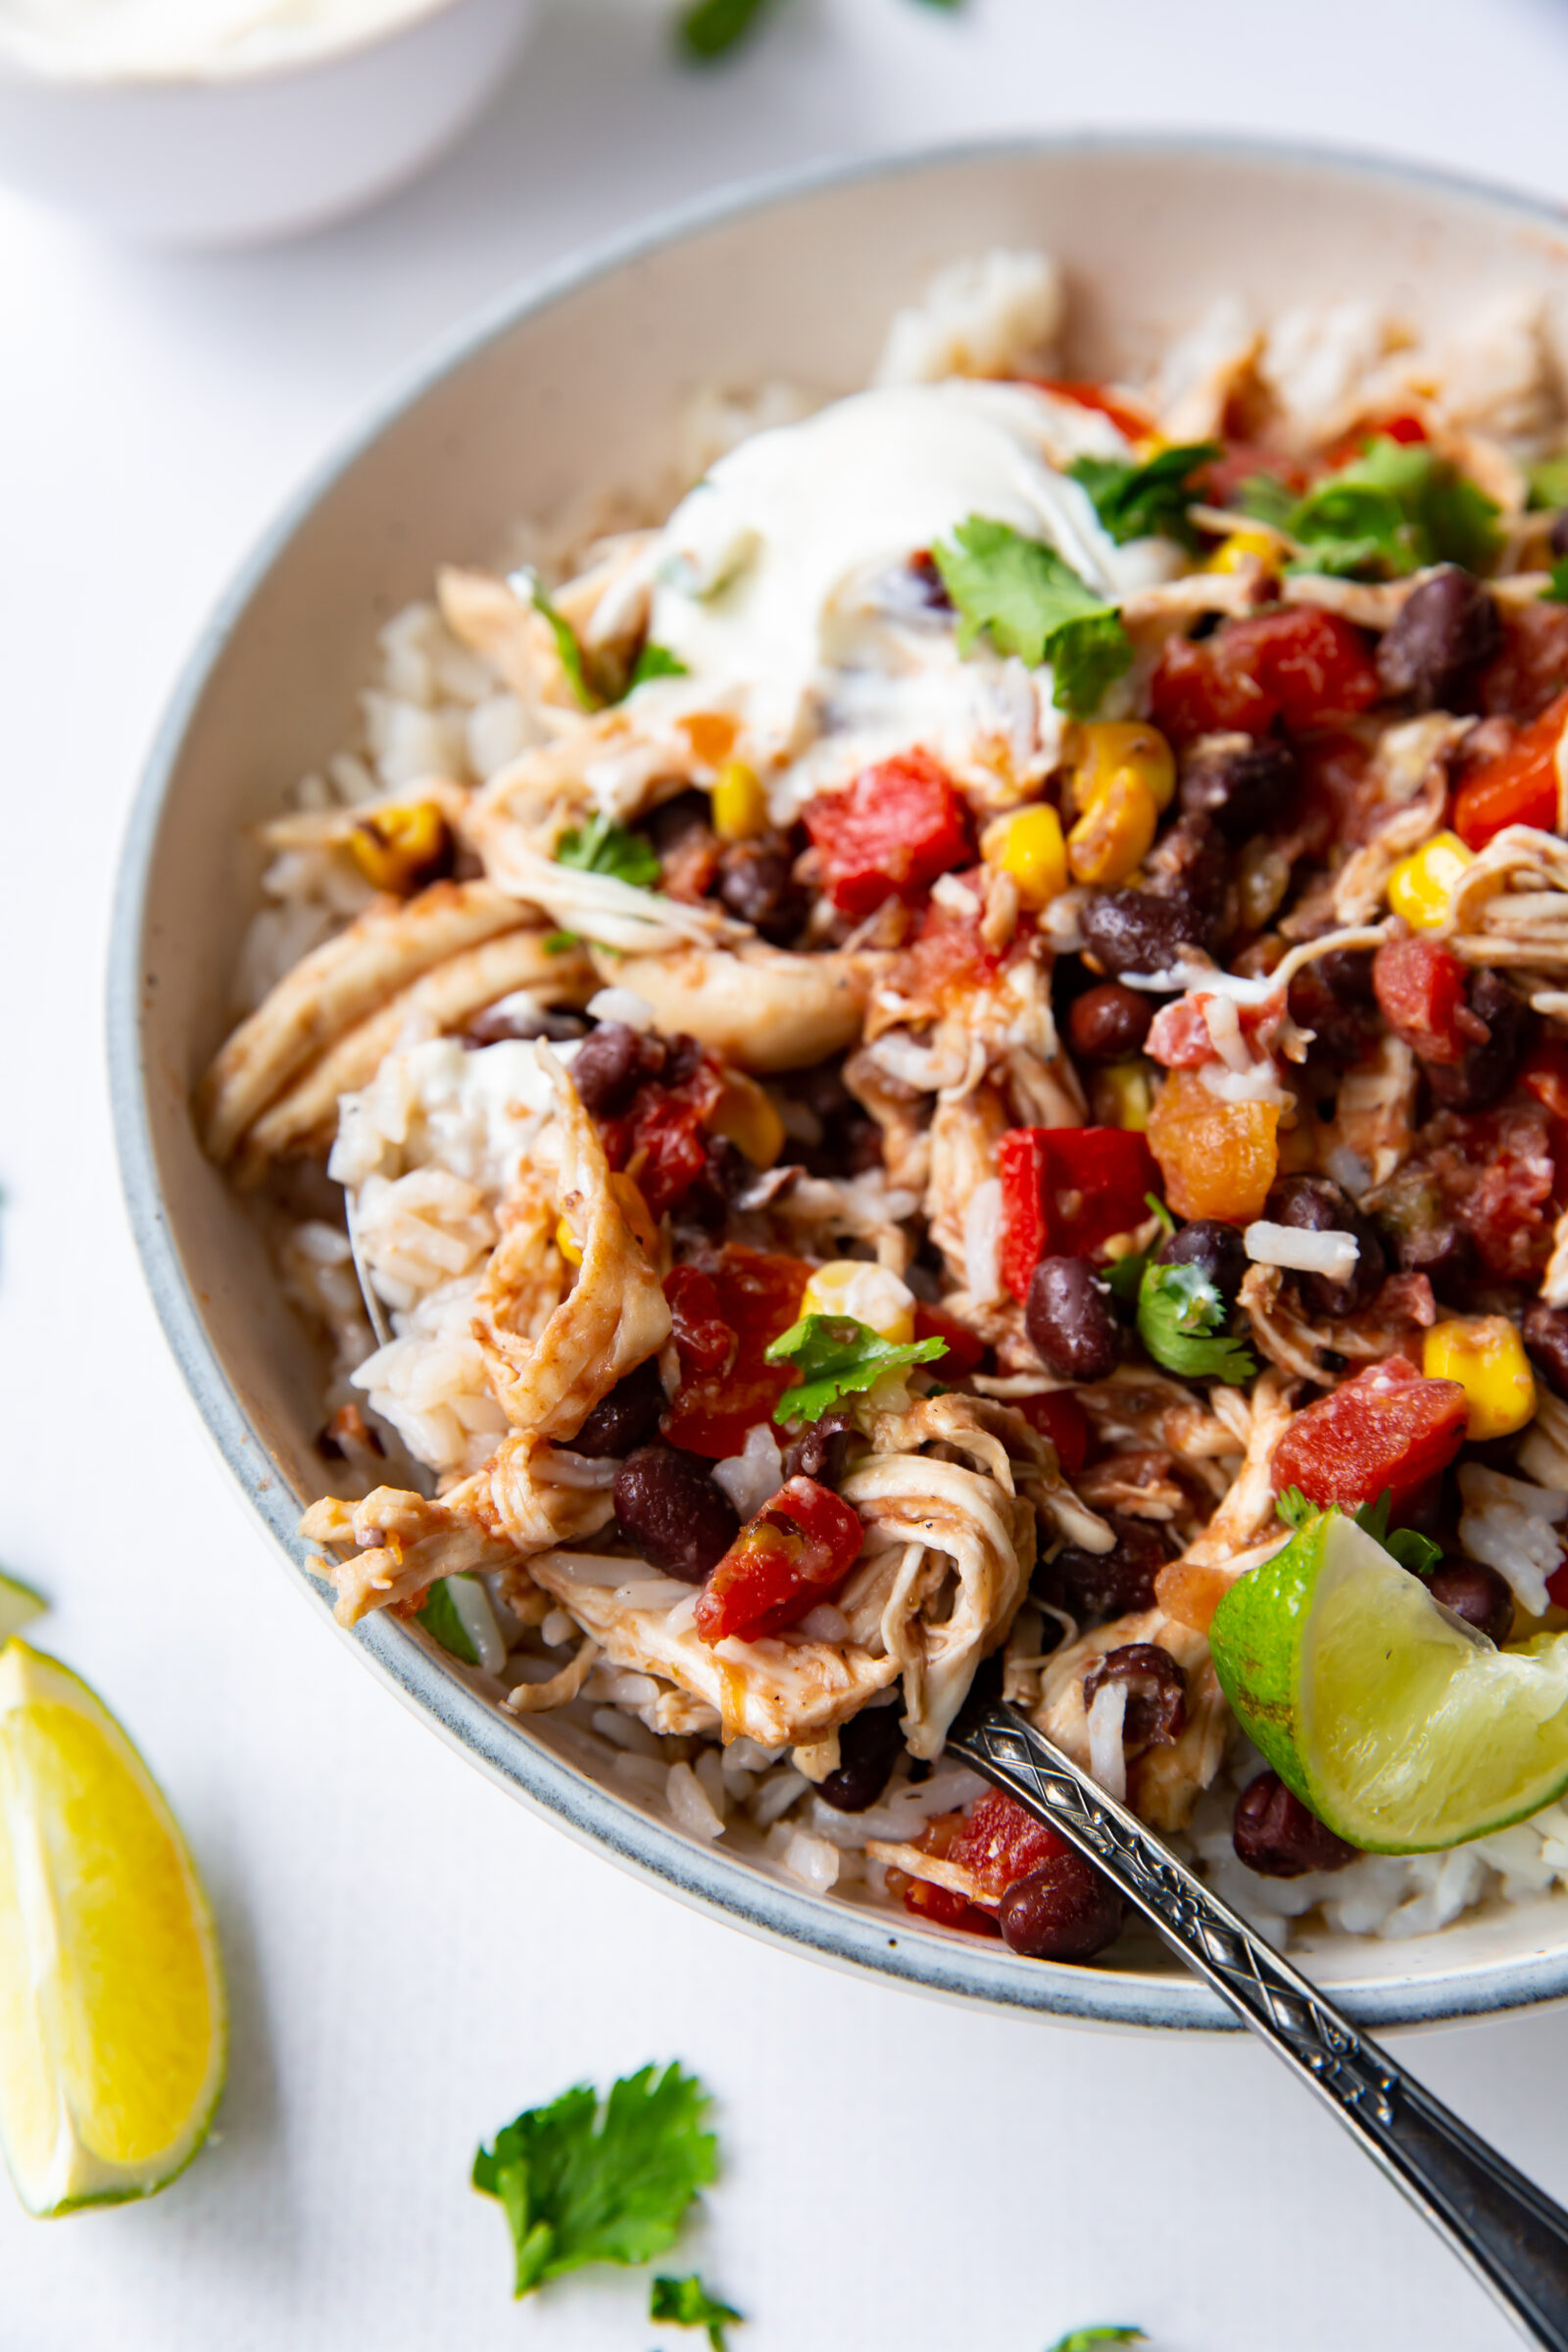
(774, 573)
(99, 40)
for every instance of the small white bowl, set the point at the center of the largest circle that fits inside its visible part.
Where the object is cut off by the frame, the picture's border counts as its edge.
(234, 154)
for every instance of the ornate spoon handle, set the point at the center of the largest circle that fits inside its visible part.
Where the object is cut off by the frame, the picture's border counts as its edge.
(1513, 2238)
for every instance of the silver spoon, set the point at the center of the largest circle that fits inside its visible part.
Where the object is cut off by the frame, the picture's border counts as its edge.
(1513, 2238)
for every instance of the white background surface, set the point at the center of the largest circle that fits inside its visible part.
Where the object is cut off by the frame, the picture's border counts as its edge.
(411, 1957)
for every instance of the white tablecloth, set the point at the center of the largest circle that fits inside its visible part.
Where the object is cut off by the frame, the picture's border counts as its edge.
(411, 1957)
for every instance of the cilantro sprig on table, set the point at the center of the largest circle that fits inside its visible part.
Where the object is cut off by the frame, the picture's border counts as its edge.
(1030, 603)
(580, 2182)
(836, 1356)
(1411, 1550)
(687, 2303)
(711, 28)
(1388, 513)
(1082, 2339)
(1149, 500)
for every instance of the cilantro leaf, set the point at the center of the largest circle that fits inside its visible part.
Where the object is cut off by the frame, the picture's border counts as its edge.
(1413, 1550)
(1372, 1517)
(1295, 1507)
(525, 583)
(1082, 2339)
(1181, 1321)
(1389, 511)
(1122, 1279)
(1549, 480)
(655, 660)
(602, 846)
(711, 28)
(439, 1617)
(580, 2183)
(687, 2303)
(1139, 501)
(1035, 606)
(1557, 593)
(836, 1354)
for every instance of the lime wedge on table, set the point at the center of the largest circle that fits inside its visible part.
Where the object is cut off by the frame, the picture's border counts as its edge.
(112, 2027)
(1399, 1730)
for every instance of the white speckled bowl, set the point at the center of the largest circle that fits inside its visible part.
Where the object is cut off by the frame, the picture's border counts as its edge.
(580, 379)
(243, 153)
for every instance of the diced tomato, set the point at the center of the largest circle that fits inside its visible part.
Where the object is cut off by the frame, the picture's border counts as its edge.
(704, 1341)
(948, 960)
(1066, 1189)
(890, 834)
(1408, 431)
(1532, 666)
(1388, 1426)
(967, 1351)
(1499, 1173)
(1060, 1417)
(759, 1296)
(1517, 788)
(1299, 668)
(947, 1909)
(1238, 462)
(1420, 989)
(1135, 421)
(1545, 1076)
(659, 1141)
(1001, 1842)
(1557, 1585)
(796, 1553)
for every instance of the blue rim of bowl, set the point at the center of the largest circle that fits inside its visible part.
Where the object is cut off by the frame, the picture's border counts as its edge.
(729, 1888)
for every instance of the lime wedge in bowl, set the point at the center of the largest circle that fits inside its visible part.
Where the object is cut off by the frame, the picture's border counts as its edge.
(19, 1605)
(112, 2018)
(1403, 1731)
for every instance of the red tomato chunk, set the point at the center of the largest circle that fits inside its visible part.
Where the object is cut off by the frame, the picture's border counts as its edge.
(1001, 1842)
(1297, 669)
(1058, 1416)
(1388, 1426)
(1420, 992)
(1066, 1189)
(757, 1295)
(1517, 788)
(947, 1909)
(797, 1551)
(967, 1351)
(661, 1140)
(896, 828)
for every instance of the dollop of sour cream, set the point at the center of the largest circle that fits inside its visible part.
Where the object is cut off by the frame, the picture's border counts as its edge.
(112, 40)
(774, 575)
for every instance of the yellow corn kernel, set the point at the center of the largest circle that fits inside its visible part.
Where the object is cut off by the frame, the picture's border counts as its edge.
(1116, 834)
(872, 1295)
(566, 1243)
(746, 1114)
(1122, 1096)
(1027, 844)
(1108, 748)
(400, 850)
(1421, 886)
(738, 807)
(1240, 547)
(1486, 1355)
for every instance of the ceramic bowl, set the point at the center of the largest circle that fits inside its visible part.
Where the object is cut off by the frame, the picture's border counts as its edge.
(243, 153)
(581, 379)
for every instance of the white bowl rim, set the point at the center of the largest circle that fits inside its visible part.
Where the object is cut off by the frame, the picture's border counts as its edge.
(970, 1969)
(215, 75)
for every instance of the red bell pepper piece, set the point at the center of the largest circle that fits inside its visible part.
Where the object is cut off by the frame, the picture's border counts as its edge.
(1066, 1189)
(1517, 788)
(1136, 422)
(896, 828)
(1388, 1426)
(797, 1551)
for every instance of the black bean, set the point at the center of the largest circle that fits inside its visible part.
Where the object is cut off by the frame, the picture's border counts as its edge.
(1477, 1595)
(1109, 1022)
(1138, 931)
(1557, 536)
(1066, 1910)
(1070, 1322)
(1332, 998)
(1485, 1069)
(1416, 1224)
(675, 823)
(1106, 1583)
(1214, 1247)
(1346, 972)
(1275, 1835)
(520, 1016)
(1189, 866)
(819, 1451)
(628, 1417)
(1156, 1692)
(611, 1063)
(1315, 1204)
(868, 1748)
(755, 882)
(1545, 1338)
(1446, 628)
(1246, 784)
(668, 1508)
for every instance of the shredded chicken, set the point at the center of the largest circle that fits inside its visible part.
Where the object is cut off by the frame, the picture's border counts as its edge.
(763, 1008)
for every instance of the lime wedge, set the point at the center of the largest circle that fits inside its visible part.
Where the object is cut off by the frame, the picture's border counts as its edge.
(1400, 1729)
(19, 1605)
(112, 2023)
